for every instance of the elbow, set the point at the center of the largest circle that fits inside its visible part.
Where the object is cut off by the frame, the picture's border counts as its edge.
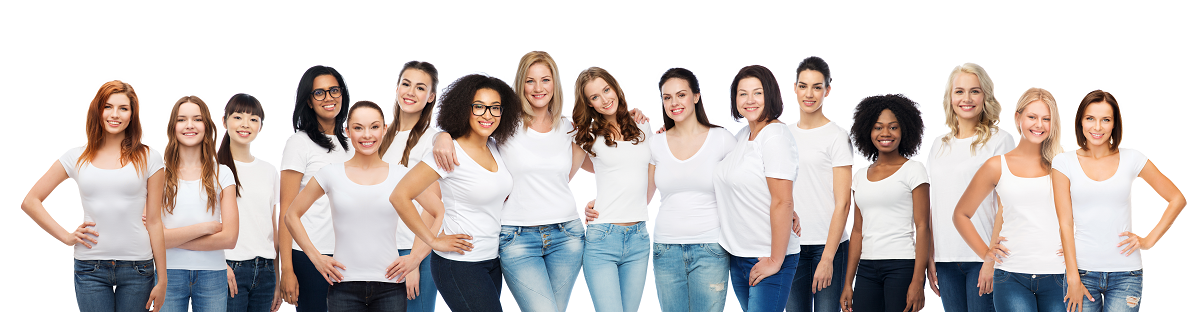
(782, 204)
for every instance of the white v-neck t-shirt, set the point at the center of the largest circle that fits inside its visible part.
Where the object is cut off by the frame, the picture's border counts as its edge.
(473, 198)
(115, 200)
(887, 209)
(741, 188)
(304, 156)
(190, 207)
(951, 167)
(688, 207)
(821, 149)
(620, 173)
(1102, 210)
(359, 214)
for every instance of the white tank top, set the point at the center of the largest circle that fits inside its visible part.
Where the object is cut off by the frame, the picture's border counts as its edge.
(1030, 224)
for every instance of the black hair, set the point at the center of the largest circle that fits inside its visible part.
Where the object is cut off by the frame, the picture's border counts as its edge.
(815, 64)
(691, 79)
(456, 106)
(304, 116)
(239, 103)
(773, 103)
(907, 115)
(425, 116)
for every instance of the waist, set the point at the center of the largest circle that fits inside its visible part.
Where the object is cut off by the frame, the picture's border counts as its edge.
(117, 263)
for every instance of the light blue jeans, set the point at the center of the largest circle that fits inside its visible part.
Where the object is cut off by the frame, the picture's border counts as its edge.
(426, 301)
(1113, 291)
(691, 277)
(541, 263)
(203, 290)
(615, 264)
(113, 285)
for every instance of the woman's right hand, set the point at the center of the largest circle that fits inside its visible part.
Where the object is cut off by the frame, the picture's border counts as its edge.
(289, 285)
(997, 251)
(444, 152)
(327, 267)
(1074, 296)
(846, 299)
(590, 213)
(458, 243)
(84, 234)
(985, 277)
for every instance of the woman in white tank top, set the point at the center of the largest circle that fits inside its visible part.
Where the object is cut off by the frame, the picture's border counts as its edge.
(1028, 270)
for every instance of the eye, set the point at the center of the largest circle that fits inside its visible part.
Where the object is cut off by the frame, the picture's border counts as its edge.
(593, 98)
(421, 89)
(742, 93)
(758, 93)
(667, 97)
(1088, 118)
(406, 84)
(546, 80)
(607, 90)
(682, 95)
(124, 108)
(819, 88)
(1046, 119)
(236, 117)
(958, 91)
(974, 91)
(254, 120)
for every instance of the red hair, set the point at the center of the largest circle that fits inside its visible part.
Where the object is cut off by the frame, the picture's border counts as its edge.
(131, 149)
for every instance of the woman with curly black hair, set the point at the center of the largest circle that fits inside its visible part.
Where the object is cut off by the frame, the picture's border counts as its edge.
(465, 265)
(891, 204)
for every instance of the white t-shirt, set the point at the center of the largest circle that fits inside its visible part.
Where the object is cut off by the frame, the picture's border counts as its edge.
(113, 199)
(688, 209)
(951, 167)
(190, 208)
(539, 164)
(620, 173)
(1030, 224)
(406, 238)
(1102, 210)
(359, 214)
(302, 155)
(259, 196)
(887, 209)
(473, 198)
(821, 149)
(741, 186)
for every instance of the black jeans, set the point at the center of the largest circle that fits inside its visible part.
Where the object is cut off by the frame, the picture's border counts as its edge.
(367, 296)
(468, 286)
(882, 285)
(313, 289)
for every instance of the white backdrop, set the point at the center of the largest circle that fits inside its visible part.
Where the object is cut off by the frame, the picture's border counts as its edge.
(56, 55)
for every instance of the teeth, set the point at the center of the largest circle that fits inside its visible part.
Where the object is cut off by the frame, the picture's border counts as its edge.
(367, 144)
(331, 106)
(408, 101)
(677, 111)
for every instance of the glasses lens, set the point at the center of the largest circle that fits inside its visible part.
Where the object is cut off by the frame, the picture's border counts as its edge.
(478, 109)
(318, 94)
(334, 92)
(496, 111)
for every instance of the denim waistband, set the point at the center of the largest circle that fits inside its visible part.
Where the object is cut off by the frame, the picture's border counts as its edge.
(640, 226)
(545, 227)
(254, 261)
(117, 263)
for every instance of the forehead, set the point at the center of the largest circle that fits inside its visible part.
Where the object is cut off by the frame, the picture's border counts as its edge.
(966, 80)
(886, 116)
(416, 76)
(188, 109)
(365, 115)
(324, 82)
(810, 76)
(596, 85)
(486, 96)
(118, 99)
(673, 85)
(750, 83)
(1037, 107)
(1102, 109)
(539, 69)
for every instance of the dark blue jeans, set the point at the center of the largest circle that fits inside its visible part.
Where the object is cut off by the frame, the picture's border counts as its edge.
(771, 293)
(882, 285)
(801, 297)
(95, 280)
(1113, 291)
(1029, 292)
(255, 285)
(468, 286)
(426, 301)
(313, 289)
(367, 296)
(957, 282)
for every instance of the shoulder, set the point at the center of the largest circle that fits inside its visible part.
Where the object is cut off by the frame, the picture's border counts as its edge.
(774, 131)
(723, 135)
(298, 141)
(73, 154)
(1134, 154)
(1063, 159)
(265, 165)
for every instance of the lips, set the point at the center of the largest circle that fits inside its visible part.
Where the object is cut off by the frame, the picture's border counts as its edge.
(486, 124)
(367, 143)
(677, 111)
(1096, 136)
(966, 107)
(886, 142)
(608, 106)
(243, 134)
(190, 133)
(114, 123)
(329, 107)
(1036, 133)
(539, 96)
(751, 109)
(408, 101)
(809, 103)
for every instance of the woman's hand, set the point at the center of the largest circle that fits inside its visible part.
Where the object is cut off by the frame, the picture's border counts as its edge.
(157, 297)
(762, 269)
(1074, 296)
(915, 300)
(985, 277)
(401, 266)
(997, 251)
(1131, 244)
(277, 300)
(444, 152)
(823, 275)
(458, 243)
(328, 268)
(847, 299)
(932, 273)
(289, 286)
(590, 213)
(232, 282)
(412, 285)
(638, 116)
(83, 234)
(796, 224)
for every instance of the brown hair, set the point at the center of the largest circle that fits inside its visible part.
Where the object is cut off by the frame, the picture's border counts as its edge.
(131, 149)
(1092, 98)
(425, 116)
(591, 124)
(207, 155)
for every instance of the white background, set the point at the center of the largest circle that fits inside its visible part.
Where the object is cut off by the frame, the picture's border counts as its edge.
(56, 55)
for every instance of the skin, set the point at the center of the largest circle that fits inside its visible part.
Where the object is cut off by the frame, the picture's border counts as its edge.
(885, 135)
(1099, 162)
(604, 99)
(966, 100)
(117, 114)
(242, 129)
(215, 235)
(812, 90)
(1023, 161)
(413, 93)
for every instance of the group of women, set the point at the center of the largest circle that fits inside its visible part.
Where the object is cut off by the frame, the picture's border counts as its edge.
(384, 216)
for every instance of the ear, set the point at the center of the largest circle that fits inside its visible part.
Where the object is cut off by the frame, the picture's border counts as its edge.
(431, 98)
(696, 98)
(795, 85)
(827, 92)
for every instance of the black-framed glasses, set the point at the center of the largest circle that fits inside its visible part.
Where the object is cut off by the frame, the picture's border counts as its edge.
(321, 94)
(480, 109)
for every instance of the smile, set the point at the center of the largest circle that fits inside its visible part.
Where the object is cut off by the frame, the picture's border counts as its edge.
(677, 111)
(329, 107)
(886, 143)
(367, 143)
(408, 101)
(1096, 136)
(243, 134)
(809, 103)
(486, 124)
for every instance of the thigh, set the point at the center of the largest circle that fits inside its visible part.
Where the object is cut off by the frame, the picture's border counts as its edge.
(387, 297)
(669, 271)
(1094, 282)
(800, 295)
(313, 289)
(952, 286)
(632, 271)
(1010, 293)
(898, 277)
(826, 300)
(1051, 289)
(467, 286)
(179, 286)
(210, 292)
(243, 272)
(771, 293)
(563, 259)
(1124, 291)
(93, 287)
(134, 281)
(522, 258)
(868, 288)
(707, 277)
(425, 300)
(603, 250)
(975, 301)
(261, 296)
(346, 296)
(740, 269)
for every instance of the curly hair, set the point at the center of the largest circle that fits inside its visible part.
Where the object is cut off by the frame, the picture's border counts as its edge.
(773, 104)
(456, 106)
(907, 115)
(591, 124)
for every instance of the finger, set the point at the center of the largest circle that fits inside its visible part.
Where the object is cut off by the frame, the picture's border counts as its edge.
(80, 241)
(1123, 242)
(1088, 294)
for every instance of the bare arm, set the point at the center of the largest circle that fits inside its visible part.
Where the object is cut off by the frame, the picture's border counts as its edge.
(298, 207)
(842, 206)
(846, 301)
(1075, 290)
(925, 247)
(32, 205)
(411, 185)
(981, 186)
(288, 188)
(1173, 196)
(226, 238)
(579, 159)
(157, 241)
(781, 215)
(651, 182)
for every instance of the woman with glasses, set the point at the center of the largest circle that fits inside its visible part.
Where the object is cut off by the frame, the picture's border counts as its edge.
(318, 141)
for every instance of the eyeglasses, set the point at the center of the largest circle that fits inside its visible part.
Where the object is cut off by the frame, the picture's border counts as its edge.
(495, 110)
(321, 94)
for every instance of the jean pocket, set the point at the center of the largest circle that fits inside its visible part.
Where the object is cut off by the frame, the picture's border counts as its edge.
(714, 250)
(146, 270)
(658, 250)
(508, 234)
(596, 232)
(574, 229)
(1000, 276)
(84, 268)
(1137, 273)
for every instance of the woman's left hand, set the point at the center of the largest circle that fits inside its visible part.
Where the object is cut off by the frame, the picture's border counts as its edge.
(1131, 244)
(638, 116)
(762, 269)
(915, 299)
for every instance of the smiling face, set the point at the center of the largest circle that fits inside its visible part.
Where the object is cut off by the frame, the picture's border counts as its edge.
(189, 125)
(365, 129)
(749, 98)
(1033, 122)
(966, 96)
(242, 127)
(326, 109)
(1098, 123)
(885, 133)
(117, 113)
(539, 86)
(811, 89)
(414, 91)
(679, 100)
(601, 97)
(485, 124)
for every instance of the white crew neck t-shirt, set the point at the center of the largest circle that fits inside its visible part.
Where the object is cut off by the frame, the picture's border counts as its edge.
(359, 214)
(620, 173)
(741, 188)
(406, 238)
(951, 167)
(688, 208)
(821, 149)
(887, 209)
(190, 208)
(115, 200)
(304, 156)
(473, 198)
(539, 163)
(1030, 224)
(1102, 210)
(259, 196)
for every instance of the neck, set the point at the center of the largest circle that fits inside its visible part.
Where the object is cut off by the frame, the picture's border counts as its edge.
(407, 121)
(689, 126)
(473, 139)
(540, 116)
(812, 120)
(756, 127)
(240, 152)
(112, 140)
(890, 158)
(1099, 151)
(189, 156)
(966, 127)
(363, 161)
(328, 127)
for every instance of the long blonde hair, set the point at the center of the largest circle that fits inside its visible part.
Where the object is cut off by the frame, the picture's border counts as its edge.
(1050, 146)
(207, 154)
(989, 116)
(557, 105)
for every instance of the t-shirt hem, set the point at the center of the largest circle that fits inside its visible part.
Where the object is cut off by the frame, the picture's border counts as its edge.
(540, 222)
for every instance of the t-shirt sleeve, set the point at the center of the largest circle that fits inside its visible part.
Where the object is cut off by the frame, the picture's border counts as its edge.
(915, 175)
(1138, 160)
(860, 174)
(779, 154)
(69, 160)
(840, 150)
(324, 176)
(727, 141)
(295, 153)
(1004, 142)
(1060, 163)
(277, 187)
(651, 145)
(430, 160)
(225, 177)
(153, 162)
(647, 131)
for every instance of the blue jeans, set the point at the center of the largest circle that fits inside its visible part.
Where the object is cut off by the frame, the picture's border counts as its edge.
(1113, 291)
(255, 285)
(426, 301)
(801, 297)
(957, 282)
(468, 286)
(541, 263)
(203, 290)
(883, 285)
(615, 265)
(367, 296)
(95, 279)
(771, 294)
(313, 288)
(1029, 292)
(691, 277)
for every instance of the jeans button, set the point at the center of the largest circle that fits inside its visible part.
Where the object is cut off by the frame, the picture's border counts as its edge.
(1034, 276)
